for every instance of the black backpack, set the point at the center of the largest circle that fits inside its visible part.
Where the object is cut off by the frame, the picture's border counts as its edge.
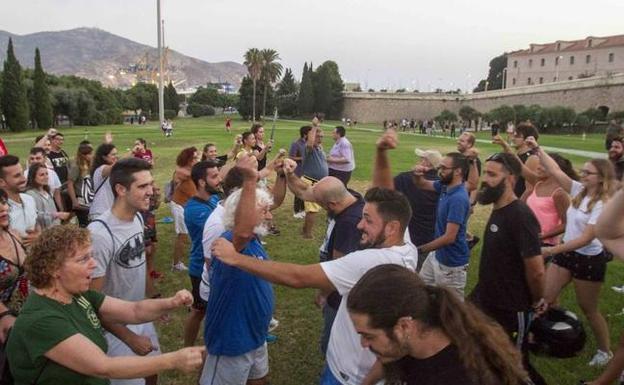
(558, 333)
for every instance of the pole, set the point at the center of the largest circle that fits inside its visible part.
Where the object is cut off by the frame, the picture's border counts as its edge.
(161, 98)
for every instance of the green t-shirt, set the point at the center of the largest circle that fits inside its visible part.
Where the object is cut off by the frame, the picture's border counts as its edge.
(42, 324)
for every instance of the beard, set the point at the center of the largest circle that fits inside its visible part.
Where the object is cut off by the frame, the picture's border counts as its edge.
(489, 194)
(214, 190)
(374, 243)
(614, 155)
(261, 230)
(445, 180)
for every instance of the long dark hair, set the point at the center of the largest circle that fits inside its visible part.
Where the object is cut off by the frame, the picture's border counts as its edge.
(98, 160)
(32, 174)
(387, 293)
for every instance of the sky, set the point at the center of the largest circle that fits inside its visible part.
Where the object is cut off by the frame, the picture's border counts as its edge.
(389, 44)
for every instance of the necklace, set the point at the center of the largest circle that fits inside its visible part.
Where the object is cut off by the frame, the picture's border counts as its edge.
(54, 297)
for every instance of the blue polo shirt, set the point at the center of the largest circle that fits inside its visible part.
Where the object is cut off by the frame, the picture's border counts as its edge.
(453, 207)
(240, 306)
(196, 213)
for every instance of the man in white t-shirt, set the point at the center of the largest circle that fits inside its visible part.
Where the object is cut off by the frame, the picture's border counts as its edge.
(22, 208)
(119, 250)
(385, 218)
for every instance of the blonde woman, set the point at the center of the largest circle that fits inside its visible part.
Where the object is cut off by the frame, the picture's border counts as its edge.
(580, 258)
(80, 184)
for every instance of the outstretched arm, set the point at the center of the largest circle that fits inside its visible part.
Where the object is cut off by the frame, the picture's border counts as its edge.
(550, 165)
(382, 173)
(610, 226)
(245, 218)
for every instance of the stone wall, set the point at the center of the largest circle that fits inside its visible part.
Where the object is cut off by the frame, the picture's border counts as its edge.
(578, 94)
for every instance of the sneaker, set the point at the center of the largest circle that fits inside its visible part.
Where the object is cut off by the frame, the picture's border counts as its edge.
(271, 338)
(618, 289)
(600, 358)
(180, 266)
(273, 324)
(299, 215)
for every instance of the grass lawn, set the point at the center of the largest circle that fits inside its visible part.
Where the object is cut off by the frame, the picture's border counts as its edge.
(295, 357)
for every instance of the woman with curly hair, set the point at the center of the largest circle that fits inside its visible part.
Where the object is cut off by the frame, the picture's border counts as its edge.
(426, 335)
(58, 337)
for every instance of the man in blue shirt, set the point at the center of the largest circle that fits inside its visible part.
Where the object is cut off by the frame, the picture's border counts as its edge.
(447, 262)
(207, 180)
(240, 303)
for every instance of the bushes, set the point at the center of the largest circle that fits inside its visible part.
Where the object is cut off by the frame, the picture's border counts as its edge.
(197, 110)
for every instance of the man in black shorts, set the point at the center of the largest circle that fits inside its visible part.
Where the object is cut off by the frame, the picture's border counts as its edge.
(510, 286)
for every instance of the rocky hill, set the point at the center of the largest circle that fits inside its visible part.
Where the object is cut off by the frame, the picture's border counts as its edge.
(114, 60)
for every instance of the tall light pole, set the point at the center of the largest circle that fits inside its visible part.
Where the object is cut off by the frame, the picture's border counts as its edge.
(504, 77)
(161, 98)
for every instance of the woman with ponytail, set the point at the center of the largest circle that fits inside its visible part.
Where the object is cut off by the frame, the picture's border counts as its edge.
(426, 335)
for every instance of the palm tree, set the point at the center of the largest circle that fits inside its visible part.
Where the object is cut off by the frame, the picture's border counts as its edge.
(271, 72)
(253, 62)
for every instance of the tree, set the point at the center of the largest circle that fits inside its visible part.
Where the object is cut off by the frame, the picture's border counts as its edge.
(469, 114)
(144, 97)
(207, 96)
(328, 87)
(171, 99)
(271, 71)
(495, 75)
(42, 105)
(253, 62)
(503, 115)
(305, 101)
(287, 94)
(14, 99)
(246, 98)
(446, 116)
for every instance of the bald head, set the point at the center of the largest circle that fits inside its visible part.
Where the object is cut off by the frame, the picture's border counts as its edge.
(330, 190)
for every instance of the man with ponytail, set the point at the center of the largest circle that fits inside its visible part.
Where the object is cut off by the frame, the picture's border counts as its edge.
(510, 287)
(426, 335)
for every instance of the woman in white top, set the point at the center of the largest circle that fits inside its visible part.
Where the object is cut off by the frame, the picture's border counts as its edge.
(103, 161)
(580, 257)
(37, 187)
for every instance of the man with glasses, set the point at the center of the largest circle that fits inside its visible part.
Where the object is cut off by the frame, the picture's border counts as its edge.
(510, 286)
(448, 254)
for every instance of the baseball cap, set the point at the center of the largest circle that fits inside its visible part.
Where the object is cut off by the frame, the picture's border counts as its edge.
(433, 156)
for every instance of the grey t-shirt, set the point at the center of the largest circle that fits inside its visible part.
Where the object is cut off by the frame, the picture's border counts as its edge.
(104, 198)
(120, 256)
(314, 163)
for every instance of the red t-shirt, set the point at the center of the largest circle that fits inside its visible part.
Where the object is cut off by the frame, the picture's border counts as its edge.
(3, 149)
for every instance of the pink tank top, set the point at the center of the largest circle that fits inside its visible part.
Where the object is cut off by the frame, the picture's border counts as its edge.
(546, 213)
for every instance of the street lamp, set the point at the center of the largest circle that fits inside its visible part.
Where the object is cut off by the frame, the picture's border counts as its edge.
(504, 77)
(557, 67)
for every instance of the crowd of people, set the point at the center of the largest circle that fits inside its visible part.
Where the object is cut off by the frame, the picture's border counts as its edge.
(77, 301)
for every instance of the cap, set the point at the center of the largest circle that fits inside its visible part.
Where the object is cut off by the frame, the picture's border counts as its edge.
(433, 156)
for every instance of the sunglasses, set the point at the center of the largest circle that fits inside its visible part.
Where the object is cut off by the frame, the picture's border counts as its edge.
(500, 157)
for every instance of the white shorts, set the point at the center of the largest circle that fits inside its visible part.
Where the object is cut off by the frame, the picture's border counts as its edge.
(117, 348)
(435, 273)
(226, 370)
(177, 212)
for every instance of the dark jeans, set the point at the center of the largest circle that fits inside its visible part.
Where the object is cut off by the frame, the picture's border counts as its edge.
(517, 325)
(82, 216)
(344, 176)
(298, 205)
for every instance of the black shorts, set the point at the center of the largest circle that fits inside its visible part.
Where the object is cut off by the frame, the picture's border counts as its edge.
(584, 267)
(198, 302)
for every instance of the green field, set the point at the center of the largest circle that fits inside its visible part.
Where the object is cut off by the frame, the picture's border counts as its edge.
(295, 357)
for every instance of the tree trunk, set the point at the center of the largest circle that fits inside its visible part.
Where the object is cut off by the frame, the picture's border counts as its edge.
(264, 101)
(253, 103)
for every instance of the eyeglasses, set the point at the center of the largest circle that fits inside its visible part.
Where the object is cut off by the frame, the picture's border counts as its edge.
(584, 172)
(443, 167)
(500, 157)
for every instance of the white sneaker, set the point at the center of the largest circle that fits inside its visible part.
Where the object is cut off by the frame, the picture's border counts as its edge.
(600, 358)
(299, 215)
(273, 324)
(618, 289)
(180, 266)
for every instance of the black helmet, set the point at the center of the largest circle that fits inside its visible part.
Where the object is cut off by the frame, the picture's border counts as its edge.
(558, 333)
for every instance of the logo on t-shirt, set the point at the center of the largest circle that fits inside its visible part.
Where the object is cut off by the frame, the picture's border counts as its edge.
(132, 253)
(493, 228)
(91, 316)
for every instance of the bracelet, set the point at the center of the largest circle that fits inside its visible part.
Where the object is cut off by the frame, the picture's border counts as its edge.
(6, 313)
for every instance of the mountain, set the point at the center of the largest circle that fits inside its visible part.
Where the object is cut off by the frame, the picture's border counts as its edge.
(114, 60)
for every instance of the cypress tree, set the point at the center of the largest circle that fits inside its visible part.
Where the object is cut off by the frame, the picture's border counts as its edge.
(305, 102)
(171, 98)
(42, 105)
(14, 100)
